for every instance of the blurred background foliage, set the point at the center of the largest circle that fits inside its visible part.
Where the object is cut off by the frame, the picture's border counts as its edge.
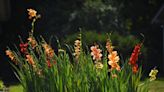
(126, 19)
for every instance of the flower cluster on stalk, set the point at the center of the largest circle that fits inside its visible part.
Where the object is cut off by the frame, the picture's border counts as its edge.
(112, 56)
(11, 55)
(49, 54)
(134, 58)
(23, 48)
(48, 50)
(96, 54)
(153, 74)
(30, 60)
(77, 48)
(32, 41)
(33, 14)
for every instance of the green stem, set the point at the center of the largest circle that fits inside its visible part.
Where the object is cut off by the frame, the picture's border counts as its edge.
(33, 26)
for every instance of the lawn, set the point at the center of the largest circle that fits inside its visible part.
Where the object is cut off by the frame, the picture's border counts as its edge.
(16, 88)
(155, 86)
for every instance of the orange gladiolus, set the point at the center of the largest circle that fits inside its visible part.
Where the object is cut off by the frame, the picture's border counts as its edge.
(48, 50)
(135, 68)
(10, 54)
(32, 13)
(113, 60)
(30, 60)
(109, 46)
(32, 41)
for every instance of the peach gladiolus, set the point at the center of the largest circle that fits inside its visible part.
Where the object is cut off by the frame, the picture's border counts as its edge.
(96, 53)
(77, 48)
(48, 50)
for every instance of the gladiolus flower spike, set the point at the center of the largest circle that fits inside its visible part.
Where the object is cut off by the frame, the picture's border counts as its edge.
(113, 56)
(134, 58)
(11, 55)
(153, 74)
(96, 53)
(77, 48)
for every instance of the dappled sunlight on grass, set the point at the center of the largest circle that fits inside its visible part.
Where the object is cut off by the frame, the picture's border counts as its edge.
(154, 86)
(16, 88)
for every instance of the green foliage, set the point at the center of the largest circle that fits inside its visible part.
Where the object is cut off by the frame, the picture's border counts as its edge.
(71, 75)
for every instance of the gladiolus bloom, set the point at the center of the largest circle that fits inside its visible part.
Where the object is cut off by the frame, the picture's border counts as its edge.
(32, 13)
(134, 58)
(153, 74)
(99, 65)
(77, 48)
(10, 54)
(32, 41)
(96, 53)
(134, 55)
(109, 46)
(135, 68)
(30, 60)
(113, 60)
(23, 47)
(48, 50)
(49, 64)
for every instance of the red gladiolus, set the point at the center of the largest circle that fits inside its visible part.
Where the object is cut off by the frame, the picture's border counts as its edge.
(134, 55)
(134, 58)
(23, 47)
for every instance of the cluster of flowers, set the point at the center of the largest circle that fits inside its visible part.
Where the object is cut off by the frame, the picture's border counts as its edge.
(114, 58)
(96, 52)
(33, 43)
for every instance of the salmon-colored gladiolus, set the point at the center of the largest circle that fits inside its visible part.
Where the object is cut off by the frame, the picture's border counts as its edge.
(96, 53)
(113, 60)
